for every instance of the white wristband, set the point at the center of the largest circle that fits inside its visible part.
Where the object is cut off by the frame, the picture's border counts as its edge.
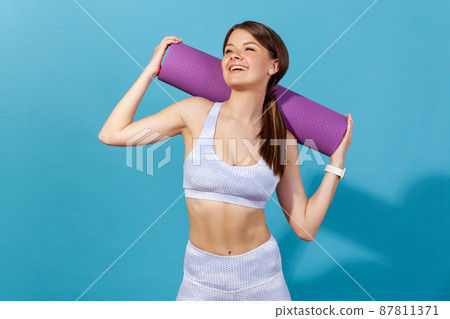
(335, 170)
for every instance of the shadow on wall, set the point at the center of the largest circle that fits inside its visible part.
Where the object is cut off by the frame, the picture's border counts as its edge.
(394, 253)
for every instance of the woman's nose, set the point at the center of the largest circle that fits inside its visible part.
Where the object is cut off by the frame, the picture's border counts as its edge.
(235, 56)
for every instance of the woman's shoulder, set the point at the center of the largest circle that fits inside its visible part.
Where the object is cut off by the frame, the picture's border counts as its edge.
(289, 135)
(198, 103)
(195, 108)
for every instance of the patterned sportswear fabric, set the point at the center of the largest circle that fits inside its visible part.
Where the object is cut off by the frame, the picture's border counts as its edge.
(205, 176)
(255, 275)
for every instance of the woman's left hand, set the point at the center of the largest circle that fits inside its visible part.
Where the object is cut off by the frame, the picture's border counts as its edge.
(339, 154)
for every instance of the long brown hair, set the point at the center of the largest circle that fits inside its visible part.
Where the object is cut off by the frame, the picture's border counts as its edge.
(273, 125)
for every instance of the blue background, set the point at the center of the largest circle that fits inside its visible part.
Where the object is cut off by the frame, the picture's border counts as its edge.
(70, 206)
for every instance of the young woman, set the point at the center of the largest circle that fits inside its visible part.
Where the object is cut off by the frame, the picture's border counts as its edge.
(231, 254)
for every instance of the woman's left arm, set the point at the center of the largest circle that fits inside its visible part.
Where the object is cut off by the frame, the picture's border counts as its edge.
(317, 205)
(306, 215)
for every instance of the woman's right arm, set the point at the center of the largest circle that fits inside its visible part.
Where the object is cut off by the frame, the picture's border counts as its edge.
(120, 130)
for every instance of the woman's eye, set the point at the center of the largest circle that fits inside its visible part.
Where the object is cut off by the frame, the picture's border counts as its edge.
(246, 49)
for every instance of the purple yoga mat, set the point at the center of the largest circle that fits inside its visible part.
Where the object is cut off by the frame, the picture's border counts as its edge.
(200, 74)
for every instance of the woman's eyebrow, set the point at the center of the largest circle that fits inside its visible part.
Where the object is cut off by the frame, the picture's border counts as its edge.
(243, 44)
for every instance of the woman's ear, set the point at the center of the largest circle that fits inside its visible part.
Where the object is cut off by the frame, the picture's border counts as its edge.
(275, 67)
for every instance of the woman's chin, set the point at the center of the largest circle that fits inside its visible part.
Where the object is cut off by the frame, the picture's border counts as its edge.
(238, 87)
(238, 84)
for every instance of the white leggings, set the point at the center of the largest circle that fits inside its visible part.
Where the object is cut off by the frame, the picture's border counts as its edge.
(254, 275)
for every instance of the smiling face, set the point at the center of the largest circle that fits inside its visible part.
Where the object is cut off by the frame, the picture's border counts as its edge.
(243, 49)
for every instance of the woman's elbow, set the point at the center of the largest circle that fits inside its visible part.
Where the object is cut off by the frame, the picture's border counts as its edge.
(101, 138)
(306, 236)
(308, 239)
(104, 138)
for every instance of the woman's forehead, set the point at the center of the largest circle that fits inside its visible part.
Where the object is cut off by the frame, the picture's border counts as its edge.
(240, 36)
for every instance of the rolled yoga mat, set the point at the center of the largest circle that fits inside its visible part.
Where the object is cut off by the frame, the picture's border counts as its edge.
(200, 74)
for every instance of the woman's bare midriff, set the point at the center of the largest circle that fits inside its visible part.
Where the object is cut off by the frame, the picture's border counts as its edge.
(217, 227)
(225, 229)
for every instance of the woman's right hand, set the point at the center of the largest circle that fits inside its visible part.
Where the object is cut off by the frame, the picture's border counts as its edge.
(155, 63)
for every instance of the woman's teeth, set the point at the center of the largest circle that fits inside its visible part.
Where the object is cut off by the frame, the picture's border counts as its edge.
(241, 68)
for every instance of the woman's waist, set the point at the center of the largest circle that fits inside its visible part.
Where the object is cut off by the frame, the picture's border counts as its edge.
(224, 239)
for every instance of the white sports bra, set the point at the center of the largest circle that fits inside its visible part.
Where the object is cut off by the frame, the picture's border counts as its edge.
(205, 176)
